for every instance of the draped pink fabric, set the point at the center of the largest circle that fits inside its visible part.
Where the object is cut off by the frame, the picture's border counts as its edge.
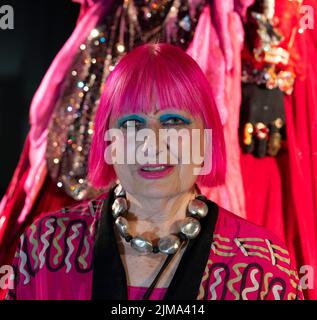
(216, 47)
(46, 96)
(301, 179)
(14, 198)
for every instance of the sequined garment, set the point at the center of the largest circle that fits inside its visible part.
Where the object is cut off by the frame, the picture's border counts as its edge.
(128, 25)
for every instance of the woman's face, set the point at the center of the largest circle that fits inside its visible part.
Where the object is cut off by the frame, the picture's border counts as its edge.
(162, 152)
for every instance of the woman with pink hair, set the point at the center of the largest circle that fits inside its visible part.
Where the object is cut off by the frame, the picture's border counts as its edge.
(154, 235)
(52, 171)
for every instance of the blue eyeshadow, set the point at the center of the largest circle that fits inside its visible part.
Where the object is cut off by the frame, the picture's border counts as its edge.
(168, 116)
(136, 117)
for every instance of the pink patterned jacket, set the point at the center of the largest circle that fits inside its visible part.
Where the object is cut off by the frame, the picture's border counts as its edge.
(231, 259)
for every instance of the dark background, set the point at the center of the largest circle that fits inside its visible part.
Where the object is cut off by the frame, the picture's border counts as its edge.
(40, 30)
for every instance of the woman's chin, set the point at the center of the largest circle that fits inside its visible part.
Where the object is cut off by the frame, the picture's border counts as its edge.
(156, 188)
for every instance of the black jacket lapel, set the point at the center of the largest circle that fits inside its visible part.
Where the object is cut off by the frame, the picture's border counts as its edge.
(187, 278)
(109, 278)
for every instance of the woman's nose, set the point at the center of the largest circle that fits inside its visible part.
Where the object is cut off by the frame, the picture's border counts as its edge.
(153, 143)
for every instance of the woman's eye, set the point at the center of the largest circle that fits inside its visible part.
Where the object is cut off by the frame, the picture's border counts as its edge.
(131, 123)
(174, 121)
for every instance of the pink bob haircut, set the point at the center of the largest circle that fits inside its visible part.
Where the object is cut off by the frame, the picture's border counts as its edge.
(176, 81)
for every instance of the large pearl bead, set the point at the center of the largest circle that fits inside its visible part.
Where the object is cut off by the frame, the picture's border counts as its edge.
(142, 245)
(169, 244)
(122, 225)
(119, 207)
(198, 208)
(119, 191)
(190, 227)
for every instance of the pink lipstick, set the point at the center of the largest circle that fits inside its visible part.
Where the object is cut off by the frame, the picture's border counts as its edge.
(155, 171)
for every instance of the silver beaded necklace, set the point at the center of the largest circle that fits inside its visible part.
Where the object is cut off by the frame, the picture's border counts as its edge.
(189, 227)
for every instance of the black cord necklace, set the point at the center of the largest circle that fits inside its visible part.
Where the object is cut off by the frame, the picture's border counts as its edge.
(167, 261)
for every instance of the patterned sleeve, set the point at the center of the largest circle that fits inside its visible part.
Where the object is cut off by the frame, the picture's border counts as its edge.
(249, 267)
